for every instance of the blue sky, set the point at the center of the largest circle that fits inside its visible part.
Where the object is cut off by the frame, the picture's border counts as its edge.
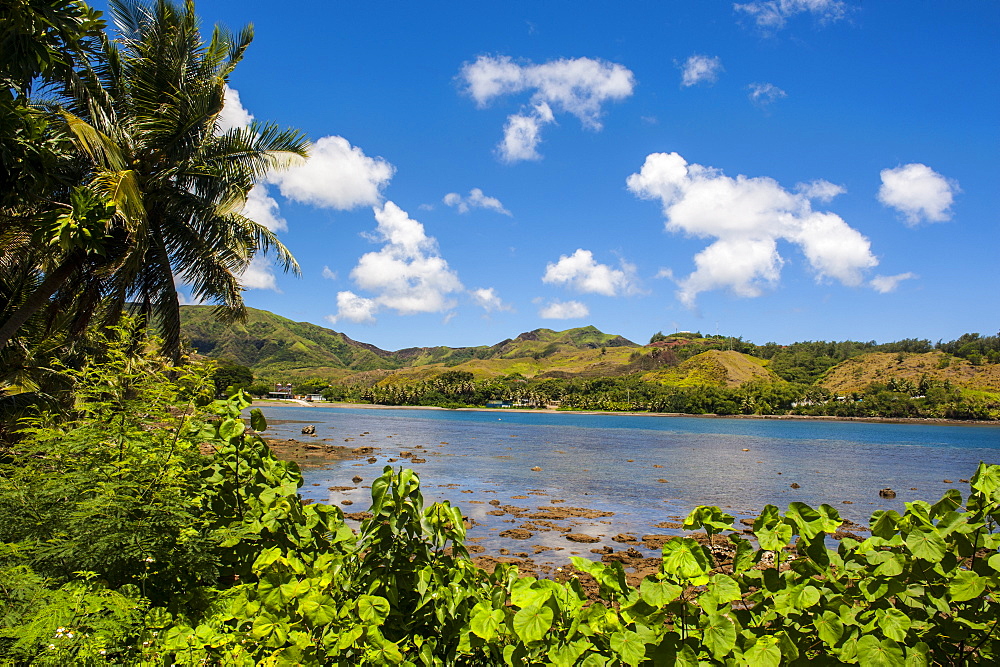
(781, 171)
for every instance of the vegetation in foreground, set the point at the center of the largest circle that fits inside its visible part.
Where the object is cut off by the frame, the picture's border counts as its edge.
(150, 526)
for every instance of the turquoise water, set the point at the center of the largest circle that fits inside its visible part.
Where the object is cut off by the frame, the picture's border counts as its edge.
(585, 461)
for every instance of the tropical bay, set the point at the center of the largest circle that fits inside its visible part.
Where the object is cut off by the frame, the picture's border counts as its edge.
(606, 462)
(649, 335)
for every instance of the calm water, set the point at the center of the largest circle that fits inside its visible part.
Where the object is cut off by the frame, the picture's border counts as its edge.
(606, 462)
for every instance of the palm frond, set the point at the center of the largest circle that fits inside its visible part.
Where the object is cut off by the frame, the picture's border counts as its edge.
(97, 145)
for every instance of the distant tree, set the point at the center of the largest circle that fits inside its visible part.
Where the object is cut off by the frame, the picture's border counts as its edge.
(260, 388)
(455, 377)
(312, 386)
(229, 374)
(657, 337)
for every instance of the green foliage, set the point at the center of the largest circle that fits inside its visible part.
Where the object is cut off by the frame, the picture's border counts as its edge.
(154, 552)
(230, 376)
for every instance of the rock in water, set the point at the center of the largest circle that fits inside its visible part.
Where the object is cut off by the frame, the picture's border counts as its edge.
(887, 493)
(309, 430)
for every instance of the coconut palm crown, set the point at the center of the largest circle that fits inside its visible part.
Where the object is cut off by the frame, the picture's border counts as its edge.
(147, 115)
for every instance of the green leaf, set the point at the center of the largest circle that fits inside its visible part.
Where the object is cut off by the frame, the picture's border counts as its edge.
(294, 589)
(532, 622)
(805, 597)
(629, 646)
(724, 588)
(986, 479)
(373, 609)
(811, 522)
(686, 657)
(569, 655)
(829, 628)
(774, 539)
(885, 524)
(917, 655)
(257, 421)
(994, 562)
(231, 428)
(789, 649)
(686, 559)
(318, 609)
(764, 653)
(719, 634)
(743, 558)
(486, 621)
(269, 630)
(659, 593)
(875, 653)
(886, 563)
(950, 501)
(593, 660)
(926, 544)
(894, 623)
(712, 519)
(966, 585)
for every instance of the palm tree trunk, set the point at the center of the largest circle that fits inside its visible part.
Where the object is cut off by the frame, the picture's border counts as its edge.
(50, 285)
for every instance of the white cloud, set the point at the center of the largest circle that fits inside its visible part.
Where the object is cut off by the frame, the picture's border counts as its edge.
(764, 95)
(773, 14)
(821, 190)
(581, 272)
(259, 274)
(261, 208)
(488, 299)
(578, 86)
(329, 274)
(406, 275)
(189, 300)
(665, 272)
(886, 284)
(337, 175)
(700, 69)
(747, 217)
(522, 134)
(233, 114)
(353, 308)
(476, 199)
(563, 310)
(918, 192)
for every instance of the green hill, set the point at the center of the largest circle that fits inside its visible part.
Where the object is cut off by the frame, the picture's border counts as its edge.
(267, 342)
(717, 368)
(856, 374)
(276, 347)
(271, 344)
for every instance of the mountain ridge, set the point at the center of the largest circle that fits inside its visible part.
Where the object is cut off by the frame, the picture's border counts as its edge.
(267, 342)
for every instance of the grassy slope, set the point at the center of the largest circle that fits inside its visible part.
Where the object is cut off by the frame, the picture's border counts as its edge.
(277, 347)
(569, 362)
(267, 342)
(274, 345)
(857, 373)
(720, 368)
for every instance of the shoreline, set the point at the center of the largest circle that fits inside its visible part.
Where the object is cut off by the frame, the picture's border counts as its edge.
(271, 403)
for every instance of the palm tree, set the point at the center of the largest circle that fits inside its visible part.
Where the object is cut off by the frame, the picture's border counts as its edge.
(146, 115)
